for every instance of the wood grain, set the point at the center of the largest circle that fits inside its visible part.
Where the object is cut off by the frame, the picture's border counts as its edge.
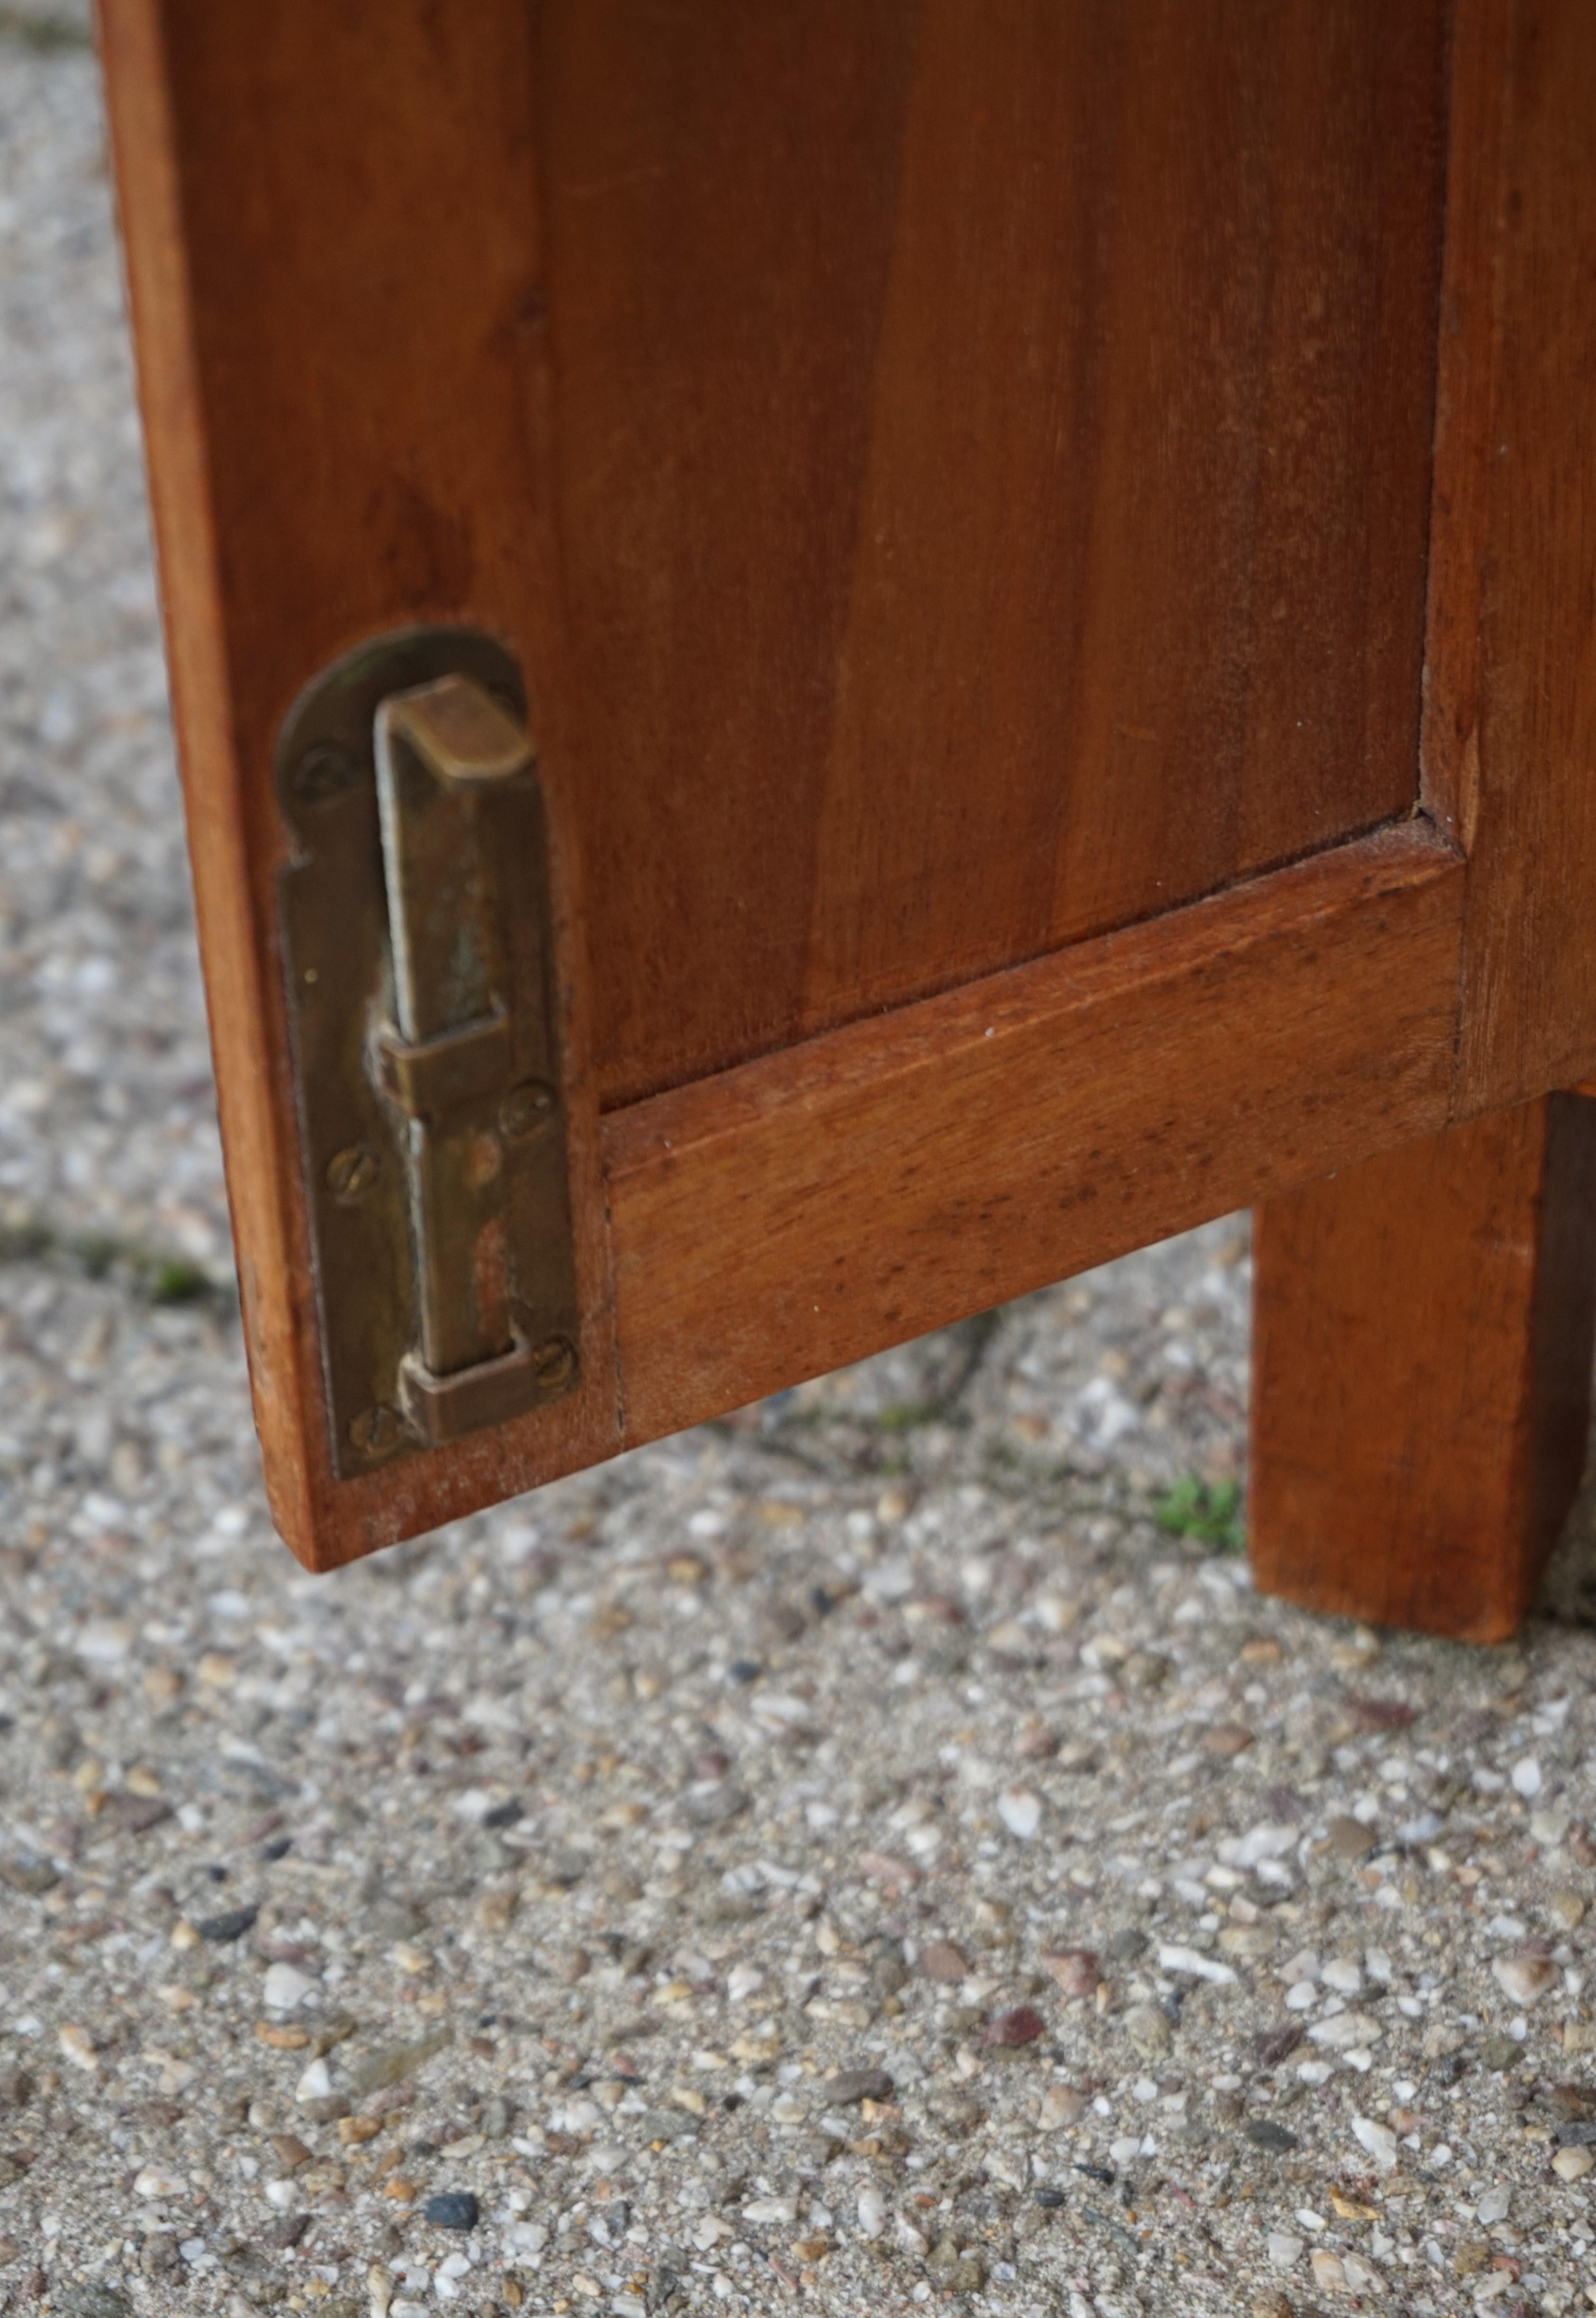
(1423, 1334)
(331, 229)
(802, 1212)
(992, 466)
(955, 481)
(1509, 720)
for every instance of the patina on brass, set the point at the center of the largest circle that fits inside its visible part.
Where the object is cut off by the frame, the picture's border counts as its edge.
(418, 956)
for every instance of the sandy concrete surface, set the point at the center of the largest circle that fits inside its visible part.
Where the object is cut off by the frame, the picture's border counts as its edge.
(877, 1852)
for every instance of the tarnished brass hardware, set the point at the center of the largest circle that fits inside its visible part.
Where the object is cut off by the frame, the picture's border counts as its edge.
(437, 1073)
(352, 1173)
(419, 967)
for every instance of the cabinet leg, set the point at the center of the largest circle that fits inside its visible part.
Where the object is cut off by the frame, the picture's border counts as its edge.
(1422, 1333)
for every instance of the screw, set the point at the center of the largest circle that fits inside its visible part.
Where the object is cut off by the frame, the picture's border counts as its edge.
(351, 1174)
(526, 1108)
(554, 1363)
(375, 1430)
(325, 770)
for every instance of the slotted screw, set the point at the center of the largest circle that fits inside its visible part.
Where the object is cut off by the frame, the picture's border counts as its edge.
(377, 1430)
(554, 1363)
(526, 1108)
(351, 1174)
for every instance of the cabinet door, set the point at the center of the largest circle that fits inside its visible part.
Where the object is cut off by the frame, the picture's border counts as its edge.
(954, 487)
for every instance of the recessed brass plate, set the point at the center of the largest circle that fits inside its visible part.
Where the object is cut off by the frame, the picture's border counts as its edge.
(417, 952)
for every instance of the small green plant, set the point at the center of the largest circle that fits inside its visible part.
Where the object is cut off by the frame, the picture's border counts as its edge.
(1209, 1510)
(173, 1282)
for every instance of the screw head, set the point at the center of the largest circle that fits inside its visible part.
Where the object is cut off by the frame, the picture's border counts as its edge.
(554, 1363)
(351, 1174)
(377, 1430)
(325, 771)
(526, 1108)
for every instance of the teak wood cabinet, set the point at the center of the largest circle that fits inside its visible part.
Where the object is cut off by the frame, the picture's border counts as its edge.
(1043, 553)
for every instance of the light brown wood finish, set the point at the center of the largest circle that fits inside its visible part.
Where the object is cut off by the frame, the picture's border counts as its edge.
(1422, 1336)
(958, 482)
(330, 225)
(1510, 723)
(992, 456)
(954, 480)
(895, 1175)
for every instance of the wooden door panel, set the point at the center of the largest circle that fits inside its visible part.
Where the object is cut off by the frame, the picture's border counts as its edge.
(991, 447)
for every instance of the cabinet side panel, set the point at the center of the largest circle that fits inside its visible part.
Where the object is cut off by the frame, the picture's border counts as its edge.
(1509, 715)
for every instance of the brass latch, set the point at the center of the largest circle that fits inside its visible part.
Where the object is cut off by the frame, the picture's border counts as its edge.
(419, 962)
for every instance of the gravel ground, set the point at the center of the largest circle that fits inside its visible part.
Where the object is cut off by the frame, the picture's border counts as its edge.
(859, 1855)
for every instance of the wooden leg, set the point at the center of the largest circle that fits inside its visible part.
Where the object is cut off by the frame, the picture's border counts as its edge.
(1422, 1332)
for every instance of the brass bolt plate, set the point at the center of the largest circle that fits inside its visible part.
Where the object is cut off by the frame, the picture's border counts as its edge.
(417, 953)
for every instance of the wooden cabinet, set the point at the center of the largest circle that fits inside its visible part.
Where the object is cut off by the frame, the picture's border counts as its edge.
(1052, 549)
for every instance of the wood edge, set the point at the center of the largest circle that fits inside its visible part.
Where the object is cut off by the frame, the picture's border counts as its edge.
(1477, 111)
(1564, 1328)
(150, 219)
(325, 1521)
(665, 1127)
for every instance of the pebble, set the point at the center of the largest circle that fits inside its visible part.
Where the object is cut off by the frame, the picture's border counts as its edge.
(1282, 2249)
(1148, 2029)
(285, 1988)
(1020, 2025)
(871, 2210)
(1493, 2205)
(453, 2209)
(1173, 1957)
(851, 2085)
(1526, 1979)
(1572, 2164)
(1349, 1839)
(391, 2065)
(1076, 1971)
(1343, 2030)
(1378, 2139)
(78, 2047)
(1061, 2105)
(772, 2212)
(1020, 1812)
(154, 2181)
(943, 1961)
(224, 1929)
(1526, 1778)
